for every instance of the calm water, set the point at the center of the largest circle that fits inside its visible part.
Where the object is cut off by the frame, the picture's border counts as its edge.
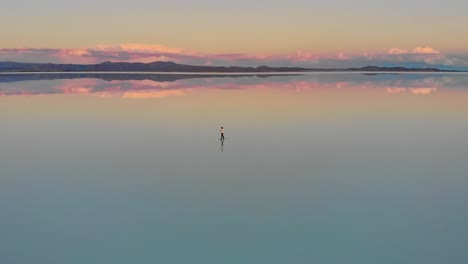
(317, 168)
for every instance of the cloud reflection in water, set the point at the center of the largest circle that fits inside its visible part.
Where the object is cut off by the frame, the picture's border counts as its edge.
(141, 87)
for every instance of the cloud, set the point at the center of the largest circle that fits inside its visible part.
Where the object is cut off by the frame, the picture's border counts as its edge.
(415, 91)
(417, 57)
(77, 52)
(303, 56)
(418, 50)
(397, 51)
(75, 56)
(425, 50)
(151, 48)
(395, 90)
(152, 94)
(423, 91)
(417, 85)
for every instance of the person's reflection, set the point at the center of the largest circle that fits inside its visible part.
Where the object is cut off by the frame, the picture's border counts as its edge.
(222, 145)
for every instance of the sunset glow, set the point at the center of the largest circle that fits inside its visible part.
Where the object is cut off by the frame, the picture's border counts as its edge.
(326, 34)
(233, 132)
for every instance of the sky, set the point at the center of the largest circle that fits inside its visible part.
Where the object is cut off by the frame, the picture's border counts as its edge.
(247, 33)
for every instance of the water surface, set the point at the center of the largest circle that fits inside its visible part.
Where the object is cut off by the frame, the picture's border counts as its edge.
(315, 168)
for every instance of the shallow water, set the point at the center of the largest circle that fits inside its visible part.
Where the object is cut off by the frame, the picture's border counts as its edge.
(315, 168)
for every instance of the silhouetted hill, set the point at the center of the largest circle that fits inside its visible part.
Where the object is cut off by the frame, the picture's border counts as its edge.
(163, 66)
(158, 66)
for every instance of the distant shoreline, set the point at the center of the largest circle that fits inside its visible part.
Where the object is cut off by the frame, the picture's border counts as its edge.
(168, 67)
(228, 73)
(6, 77)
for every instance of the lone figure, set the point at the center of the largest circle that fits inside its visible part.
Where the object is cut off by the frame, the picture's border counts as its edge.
(222, 133)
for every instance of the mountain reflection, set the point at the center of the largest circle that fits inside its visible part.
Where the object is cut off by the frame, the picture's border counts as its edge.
(141, 86)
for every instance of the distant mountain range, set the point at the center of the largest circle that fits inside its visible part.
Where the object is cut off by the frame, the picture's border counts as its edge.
(162, 66)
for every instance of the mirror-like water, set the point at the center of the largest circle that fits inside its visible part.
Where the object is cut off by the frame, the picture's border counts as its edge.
(315, 168)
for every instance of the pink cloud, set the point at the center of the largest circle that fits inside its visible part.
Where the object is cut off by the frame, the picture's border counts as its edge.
(78, 86)
(152, 52)
(423, 91)
(147, 53)
(342, 56)
(77, 52)
(303, 56)
(142, 89)
(75, 56)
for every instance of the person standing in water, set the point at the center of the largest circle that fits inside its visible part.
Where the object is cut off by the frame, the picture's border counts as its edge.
(222, 133)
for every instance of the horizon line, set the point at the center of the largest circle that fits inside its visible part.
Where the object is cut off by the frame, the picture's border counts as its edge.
(283, 69)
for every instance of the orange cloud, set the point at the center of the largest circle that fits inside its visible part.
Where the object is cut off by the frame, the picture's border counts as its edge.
(423, 90)
(145, 83)
(152, 94)
(425, 50)
(415, 91)
(77, 90)
(418, 50)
